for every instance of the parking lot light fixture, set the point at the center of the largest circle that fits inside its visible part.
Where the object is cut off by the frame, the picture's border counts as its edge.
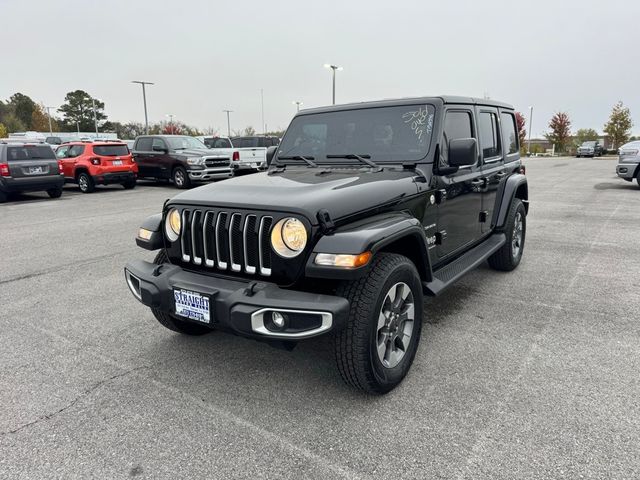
(144, 100)
(170, 115)
(228, 122)
(530, 128)
(333, 68)
(297, 104)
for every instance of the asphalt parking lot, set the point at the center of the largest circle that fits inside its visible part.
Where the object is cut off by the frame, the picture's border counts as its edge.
(532, 374)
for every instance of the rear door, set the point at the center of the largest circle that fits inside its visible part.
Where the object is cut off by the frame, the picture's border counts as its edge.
(142, 156)
(31, 161)
(160, 159)
(70, 161)
(493, 158)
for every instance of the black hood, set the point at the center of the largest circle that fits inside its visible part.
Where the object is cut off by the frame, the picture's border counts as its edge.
(306, 190)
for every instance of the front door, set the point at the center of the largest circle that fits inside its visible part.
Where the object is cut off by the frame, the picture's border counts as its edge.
(460, 193)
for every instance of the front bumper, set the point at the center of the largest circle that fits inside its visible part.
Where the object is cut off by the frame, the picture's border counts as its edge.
(627, 170)
(238, 305)
(210, 174)
(586, 153)
(114, 177)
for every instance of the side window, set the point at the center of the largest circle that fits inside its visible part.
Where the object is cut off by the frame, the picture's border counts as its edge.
(158, 142)
(62, 152)
(489, 135)
(509, 133)
(457, 124)
(240, 143)
(143, 144)
(75, 151)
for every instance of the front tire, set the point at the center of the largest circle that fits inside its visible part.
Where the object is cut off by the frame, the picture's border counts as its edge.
(171, 322)
(85, 182)
(508, 257)
(181, 178)
(375, 349)
(54, 192)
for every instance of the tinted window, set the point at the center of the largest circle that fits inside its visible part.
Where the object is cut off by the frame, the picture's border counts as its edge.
(61, 152)
(30, 153)
(217, 142)
(456, 125)
(489, 135)
(509, 133)
(158, 143)
(53, 140)
(75, 151)
(387, 134)
(111, 150)
(143, 144)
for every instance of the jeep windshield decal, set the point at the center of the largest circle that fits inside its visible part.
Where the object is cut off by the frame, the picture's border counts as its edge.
(392, 134)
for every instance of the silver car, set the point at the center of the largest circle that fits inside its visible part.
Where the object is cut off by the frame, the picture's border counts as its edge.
(629, 161)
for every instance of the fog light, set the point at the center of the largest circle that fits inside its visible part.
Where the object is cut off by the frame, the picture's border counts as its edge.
(278, 319)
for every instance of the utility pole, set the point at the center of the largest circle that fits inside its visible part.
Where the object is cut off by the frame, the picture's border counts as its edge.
(49, 115)
(297, 104)
(144, 99)
(228, 122)
(264, 127)
(333, 68)
(170, 115)
(530, 128)
(95, 116)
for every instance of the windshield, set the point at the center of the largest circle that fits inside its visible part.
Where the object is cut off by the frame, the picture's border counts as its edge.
(182, 143)
(386, 134)
(30, 153)
(111, 150)
(589, 144)
(217, 142)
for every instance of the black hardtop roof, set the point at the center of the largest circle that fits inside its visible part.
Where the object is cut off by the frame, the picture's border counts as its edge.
(442, 99)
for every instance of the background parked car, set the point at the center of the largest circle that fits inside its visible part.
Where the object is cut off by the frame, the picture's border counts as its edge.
(59, 140)
(27, 167)
(97, 163)
(628, 166)
(590, 149)
(180, 158)
(253, 150)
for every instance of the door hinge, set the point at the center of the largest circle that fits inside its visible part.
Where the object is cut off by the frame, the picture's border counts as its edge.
(441, 195)
(326, 224)
(484, 216)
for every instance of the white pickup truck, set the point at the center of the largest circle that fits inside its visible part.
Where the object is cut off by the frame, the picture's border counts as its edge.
(248, 154)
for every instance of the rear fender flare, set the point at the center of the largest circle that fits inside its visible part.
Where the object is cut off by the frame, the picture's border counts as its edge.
(515, 186)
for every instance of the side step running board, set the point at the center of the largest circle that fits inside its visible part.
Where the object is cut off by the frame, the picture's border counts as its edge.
(450, 273)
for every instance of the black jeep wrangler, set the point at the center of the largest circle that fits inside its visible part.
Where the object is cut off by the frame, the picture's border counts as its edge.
(364, 209)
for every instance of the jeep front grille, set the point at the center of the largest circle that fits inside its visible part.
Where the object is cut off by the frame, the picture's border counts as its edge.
(233, 241)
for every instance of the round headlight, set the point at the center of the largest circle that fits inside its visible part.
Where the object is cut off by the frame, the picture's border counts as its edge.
(289, 237)
(172, 225)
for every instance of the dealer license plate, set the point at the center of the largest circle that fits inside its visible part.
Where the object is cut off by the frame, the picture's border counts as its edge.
(35, 170)
(117, 162)
(192, 305)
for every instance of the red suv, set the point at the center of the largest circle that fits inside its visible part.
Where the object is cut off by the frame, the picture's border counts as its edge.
(97, 163)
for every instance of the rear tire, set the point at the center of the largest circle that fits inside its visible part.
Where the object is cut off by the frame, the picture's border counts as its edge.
(181, 178)
(54, 192)
(85, 182)
(129, 185)
(376, 347)
(169, 321)
(508, 257)
(637, 178)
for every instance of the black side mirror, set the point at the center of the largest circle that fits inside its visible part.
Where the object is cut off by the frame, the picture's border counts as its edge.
(157, 148)
(271, 151)
(463, 152)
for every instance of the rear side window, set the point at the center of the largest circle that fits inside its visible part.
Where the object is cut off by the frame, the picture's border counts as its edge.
(509, 133)
(217, 142)
(456, 125)
(111, 150)
(143, 144)
(75, 151)
(489, 135)
(30, 153)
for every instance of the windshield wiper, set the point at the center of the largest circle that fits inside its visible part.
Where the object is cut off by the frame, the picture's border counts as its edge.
(308, 160)
(362, 158)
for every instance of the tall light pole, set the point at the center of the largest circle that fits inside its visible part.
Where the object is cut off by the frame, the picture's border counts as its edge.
(297, 104)
(95, 116)
(333, 70)
(144, 99)
(49, 115)
(530, 128)
(228, 122)
(264, 127)
(170, 115)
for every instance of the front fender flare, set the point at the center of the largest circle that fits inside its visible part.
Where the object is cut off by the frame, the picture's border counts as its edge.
(154, 225)
(372, 235)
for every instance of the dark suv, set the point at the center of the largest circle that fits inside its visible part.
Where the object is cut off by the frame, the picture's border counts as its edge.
(28, 167)
(180, 158)
(364, 209)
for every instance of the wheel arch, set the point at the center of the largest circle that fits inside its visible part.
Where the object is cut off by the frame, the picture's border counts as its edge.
(515, 186)
(80, 169)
